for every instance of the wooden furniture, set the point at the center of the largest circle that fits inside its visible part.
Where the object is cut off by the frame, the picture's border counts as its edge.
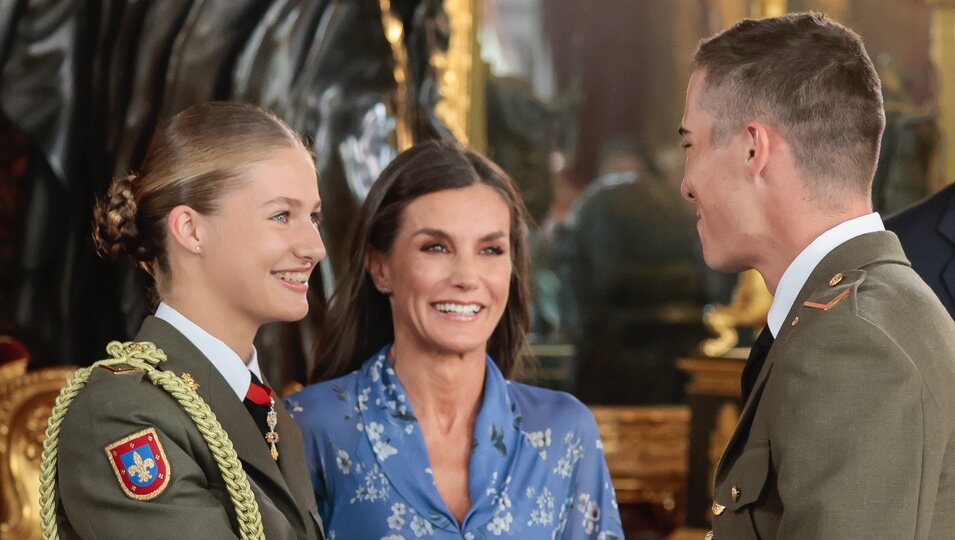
(646, 450)
(713, 395)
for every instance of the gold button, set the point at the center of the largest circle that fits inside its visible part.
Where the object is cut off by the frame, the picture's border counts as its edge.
(795, 321)
(718, 509)
(836, 279)
(735, 493)
(709, 536)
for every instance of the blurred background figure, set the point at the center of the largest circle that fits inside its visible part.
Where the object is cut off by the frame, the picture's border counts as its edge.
(927, 233)
(632, 282)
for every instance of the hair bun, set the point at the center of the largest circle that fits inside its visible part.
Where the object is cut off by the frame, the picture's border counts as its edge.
(114, 222)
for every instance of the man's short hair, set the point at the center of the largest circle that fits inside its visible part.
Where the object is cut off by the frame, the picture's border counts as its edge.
(811, 79)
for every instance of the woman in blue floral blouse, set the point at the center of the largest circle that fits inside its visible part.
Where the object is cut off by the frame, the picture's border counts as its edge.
(416, 431)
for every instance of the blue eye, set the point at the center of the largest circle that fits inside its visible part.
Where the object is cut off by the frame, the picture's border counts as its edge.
(281, 217)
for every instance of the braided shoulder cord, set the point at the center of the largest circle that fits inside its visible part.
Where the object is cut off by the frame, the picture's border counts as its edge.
(146, 356)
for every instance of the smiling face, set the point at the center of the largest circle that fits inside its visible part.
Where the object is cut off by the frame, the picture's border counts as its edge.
(449, 271)
(261, 246)
(714, 180)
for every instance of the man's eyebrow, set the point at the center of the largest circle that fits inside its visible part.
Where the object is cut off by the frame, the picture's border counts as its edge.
(683, 131)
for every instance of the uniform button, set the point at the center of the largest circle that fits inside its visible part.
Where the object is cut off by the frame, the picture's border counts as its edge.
(795, 321)
(836, 279)
(735, 493)
(709, 536)
(718, 509)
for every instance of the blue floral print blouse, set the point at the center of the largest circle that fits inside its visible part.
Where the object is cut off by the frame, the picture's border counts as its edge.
(537, 469)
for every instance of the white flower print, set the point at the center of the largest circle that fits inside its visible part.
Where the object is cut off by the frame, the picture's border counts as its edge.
(582, 501)
(375, 486)
(375, 370)
(590, 510)
(500, 524)
(575, 451)
(396, 521)
(363, 399)
(381, 448)
(591, 516)
(393, 537)
(421, 527)
(343, 461)
(544, 514)
(562, 518)
(539, 440)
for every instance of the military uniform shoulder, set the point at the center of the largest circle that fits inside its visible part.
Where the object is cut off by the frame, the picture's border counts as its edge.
(839, 287)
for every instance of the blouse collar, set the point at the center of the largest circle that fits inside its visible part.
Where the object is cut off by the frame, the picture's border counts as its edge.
(392, 430)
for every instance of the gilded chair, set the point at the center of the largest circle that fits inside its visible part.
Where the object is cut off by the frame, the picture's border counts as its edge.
(647, 451)
(26, 399)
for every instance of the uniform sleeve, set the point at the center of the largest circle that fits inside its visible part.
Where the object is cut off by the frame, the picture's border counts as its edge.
(593, 512)
(90, 486)
(847, 436)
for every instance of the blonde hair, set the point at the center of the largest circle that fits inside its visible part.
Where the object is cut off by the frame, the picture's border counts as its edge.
(192, 160)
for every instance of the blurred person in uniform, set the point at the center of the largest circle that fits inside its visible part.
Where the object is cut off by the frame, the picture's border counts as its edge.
(632, 282)
(927, 233)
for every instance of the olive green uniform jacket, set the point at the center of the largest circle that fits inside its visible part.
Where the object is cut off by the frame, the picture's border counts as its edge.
(849, 431)
(195, 503)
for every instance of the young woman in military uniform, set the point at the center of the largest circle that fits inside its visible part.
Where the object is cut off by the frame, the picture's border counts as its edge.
(175, 436)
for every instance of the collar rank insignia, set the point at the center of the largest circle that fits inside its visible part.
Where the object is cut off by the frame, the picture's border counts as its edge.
(140, 465)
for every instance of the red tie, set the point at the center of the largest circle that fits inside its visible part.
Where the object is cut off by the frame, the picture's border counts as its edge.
(259, 393)
(257, 402)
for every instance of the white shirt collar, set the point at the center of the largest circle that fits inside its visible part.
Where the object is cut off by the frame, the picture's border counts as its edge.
(795, 276)
(226, 361)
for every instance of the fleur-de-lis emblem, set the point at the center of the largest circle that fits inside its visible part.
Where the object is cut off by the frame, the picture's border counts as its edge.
(140, 467)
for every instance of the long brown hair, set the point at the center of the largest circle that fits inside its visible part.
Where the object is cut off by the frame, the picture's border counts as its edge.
(193, 159)
(359, 320)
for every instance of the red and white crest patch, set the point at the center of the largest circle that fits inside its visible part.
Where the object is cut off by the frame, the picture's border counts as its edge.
(140, 465)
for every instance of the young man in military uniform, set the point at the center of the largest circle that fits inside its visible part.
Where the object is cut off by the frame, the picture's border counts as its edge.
(848, 428)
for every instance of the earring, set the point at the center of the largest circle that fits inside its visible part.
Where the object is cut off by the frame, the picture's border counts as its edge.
(384, 290)
(197, 249)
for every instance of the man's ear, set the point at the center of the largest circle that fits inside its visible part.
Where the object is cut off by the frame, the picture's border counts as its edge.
(375, 264)
(758, 144)
(183, 226)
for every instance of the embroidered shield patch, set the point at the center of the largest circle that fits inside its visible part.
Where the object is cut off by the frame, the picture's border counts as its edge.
(140, 465)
